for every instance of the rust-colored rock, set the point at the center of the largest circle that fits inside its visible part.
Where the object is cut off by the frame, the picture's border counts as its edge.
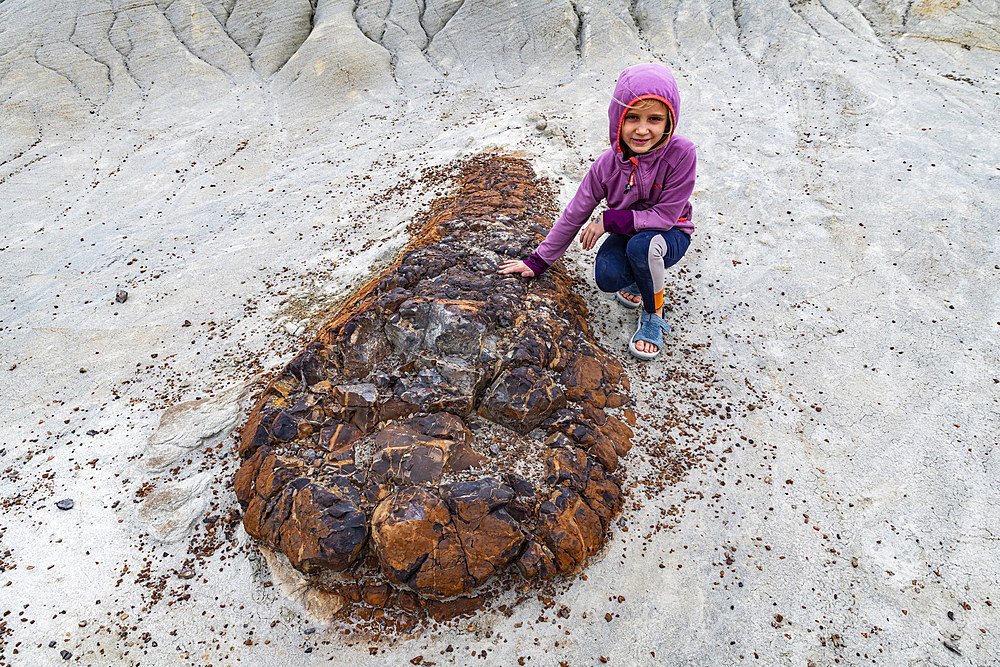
(521, 398)
(537, 561)
(570, 528)
(365, 451)
(449, 609)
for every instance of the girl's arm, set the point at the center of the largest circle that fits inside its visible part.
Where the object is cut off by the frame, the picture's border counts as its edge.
(577, 212)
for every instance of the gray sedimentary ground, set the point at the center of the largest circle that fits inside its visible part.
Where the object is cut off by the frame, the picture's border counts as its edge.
(238, 167)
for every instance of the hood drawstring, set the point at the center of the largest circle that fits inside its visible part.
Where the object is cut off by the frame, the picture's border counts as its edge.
(631, 176)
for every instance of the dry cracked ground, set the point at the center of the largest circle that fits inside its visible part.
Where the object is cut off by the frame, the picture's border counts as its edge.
(190, 190)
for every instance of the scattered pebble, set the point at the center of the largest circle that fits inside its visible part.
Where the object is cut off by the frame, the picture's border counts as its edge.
(121, 296)
(186, 573)
(65, 504)
(66, 655)
(91, 432)
(82, 624)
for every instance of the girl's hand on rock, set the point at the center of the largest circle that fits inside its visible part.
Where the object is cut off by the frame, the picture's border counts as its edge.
(516, 266)
(591, 232)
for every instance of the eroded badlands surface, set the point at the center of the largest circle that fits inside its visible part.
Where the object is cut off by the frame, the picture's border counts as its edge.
(241, 168)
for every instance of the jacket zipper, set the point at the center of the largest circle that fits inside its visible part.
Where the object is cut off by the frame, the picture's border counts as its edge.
(631, 176)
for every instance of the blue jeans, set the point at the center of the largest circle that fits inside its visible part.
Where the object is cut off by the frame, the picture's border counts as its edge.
(641, 259)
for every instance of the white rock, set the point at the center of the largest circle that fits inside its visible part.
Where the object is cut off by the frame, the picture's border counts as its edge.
(192, 425)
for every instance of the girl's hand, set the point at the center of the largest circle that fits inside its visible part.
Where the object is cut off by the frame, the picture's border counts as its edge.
(591, 232)
(516, 266)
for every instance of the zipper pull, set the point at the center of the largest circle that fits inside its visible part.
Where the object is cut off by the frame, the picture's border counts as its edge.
(631, 176)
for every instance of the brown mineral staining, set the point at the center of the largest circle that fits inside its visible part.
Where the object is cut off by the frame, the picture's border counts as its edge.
(448, 422)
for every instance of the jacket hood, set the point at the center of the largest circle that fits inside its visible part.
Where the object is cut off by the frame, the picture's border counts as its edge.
(646, 81)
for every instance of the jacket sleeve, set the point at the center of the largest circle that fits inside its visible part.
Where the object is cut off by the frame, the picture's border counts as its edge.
(619, 222)
(675, 200)
(577, 212)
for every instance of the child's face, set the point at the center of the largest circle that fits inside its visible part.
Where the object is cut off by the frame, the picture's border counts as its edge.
(644, 125)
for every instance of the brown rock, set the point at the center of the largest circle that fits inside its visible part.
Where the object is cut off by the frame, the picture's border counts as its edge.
(443, 426)
(490, 537)
(604, 452)
(352, 592)
(255, 433)
(376, 596)
(472, 501)
(405, 457)
(604, 496)
(421, 449)
(619, 433)
(594, 415)
(273, 513)
(408, 602)
(244, 478)
(568, 466)
(537, 561)
(521, 398)
(570, 529)
(337, 441)
(615, 400)
(358, 345)
(274, 473)
(416, 543)
(583, 378)
(449, 609)
(444, 573)
(326, 529)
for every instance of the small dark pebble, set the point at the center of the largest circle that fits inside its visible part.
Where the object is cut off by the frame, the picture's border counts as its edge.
(187, 323)
(115, 504)
(309, 649)
(83, 370)
(66, 655)
(52, 644)
(91, 432)
(697, 275)
(951, 647)
(186, 573)
(12, 367)
(121, 296)
(951, 616)
(309, 631)
(65, 504)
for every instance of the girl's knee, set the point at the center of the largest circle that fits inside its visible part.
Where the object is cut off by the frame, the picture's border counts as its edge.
(607, 281)
(638, 249)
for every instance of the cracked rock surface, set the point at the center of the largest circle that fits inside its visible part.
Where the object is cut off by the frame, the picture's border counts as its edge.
(376, 438)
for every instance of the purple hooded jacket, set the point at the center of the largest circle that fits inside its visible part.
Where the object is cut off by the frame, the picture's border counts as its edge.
(662, 179)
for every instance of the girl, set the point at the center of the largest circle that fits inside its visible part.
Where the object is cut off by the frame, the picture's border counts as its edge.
(647, 178)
